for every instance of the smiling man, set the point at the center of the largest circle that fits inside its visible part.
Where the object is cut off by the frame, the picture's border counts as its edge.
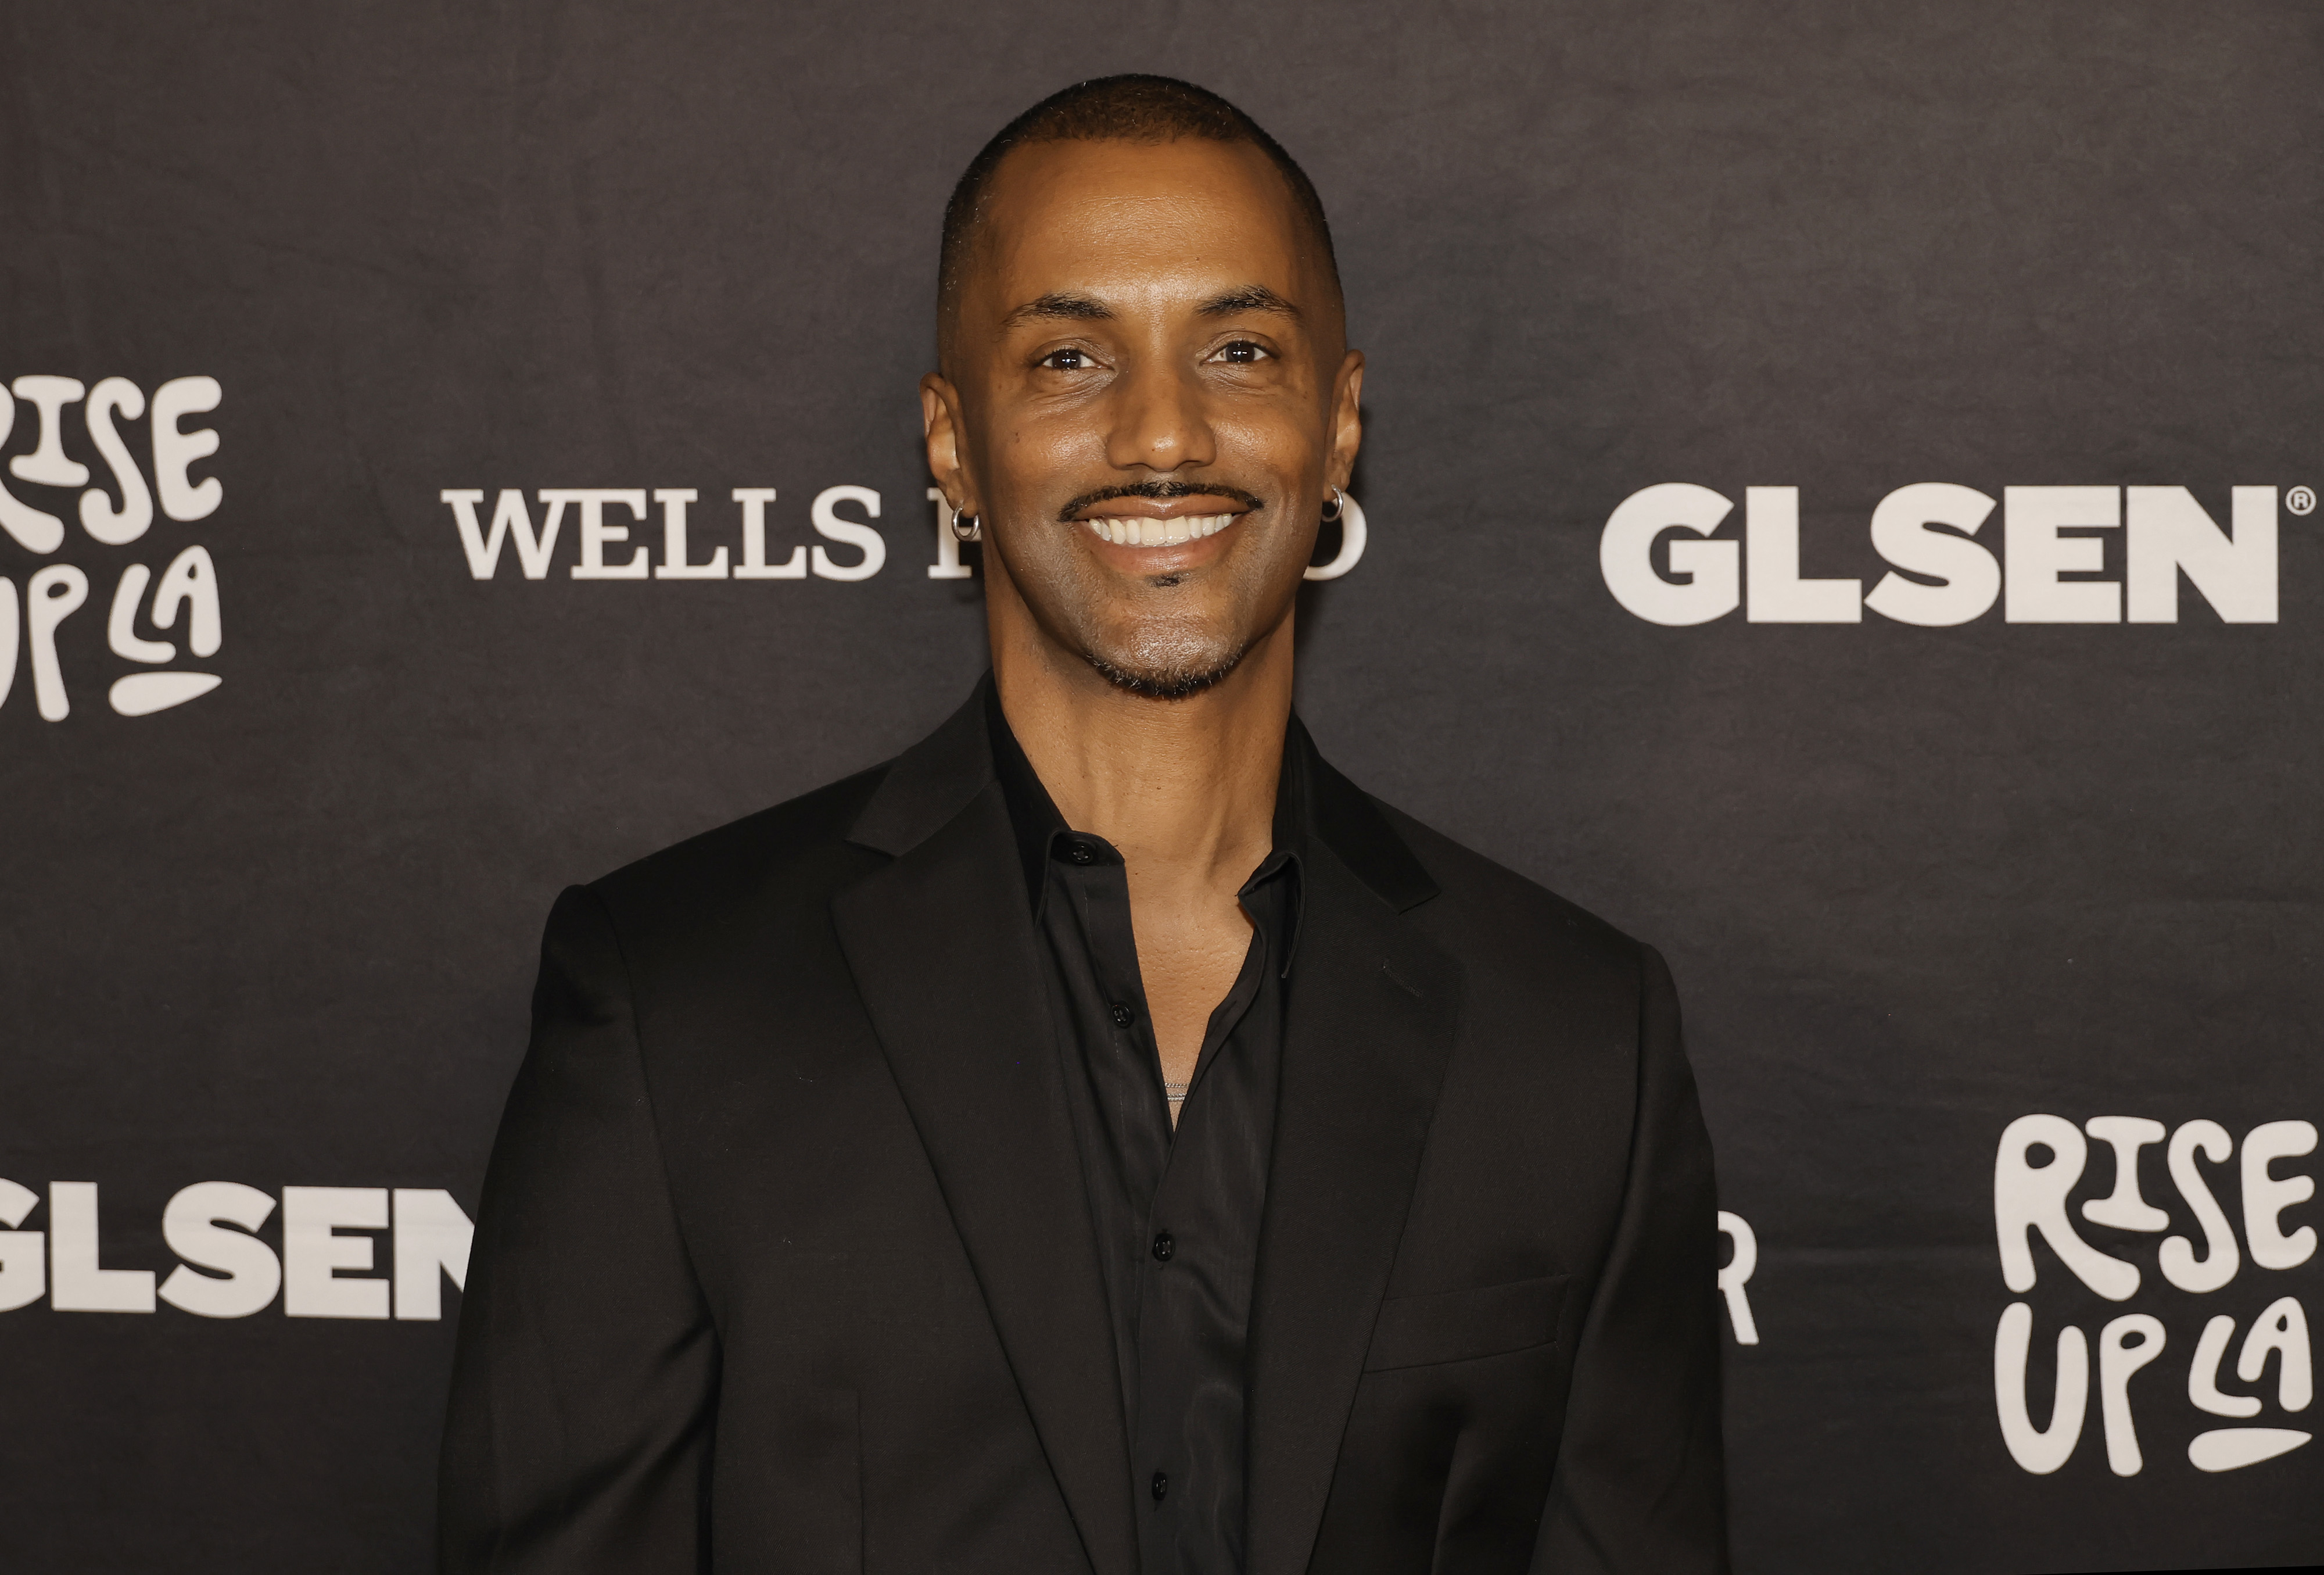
(1102, 1139)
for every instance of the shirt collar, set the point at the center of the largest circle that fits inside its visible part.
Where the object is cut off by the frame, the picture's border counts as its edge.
(1034, 817)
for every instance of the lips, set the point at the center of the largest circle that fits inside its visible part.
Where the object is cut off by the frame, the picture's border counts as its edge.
(1149, 533)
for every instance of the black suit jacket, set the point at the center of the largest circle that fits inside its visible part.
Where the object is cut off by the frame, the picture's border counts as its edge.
(783, 1262)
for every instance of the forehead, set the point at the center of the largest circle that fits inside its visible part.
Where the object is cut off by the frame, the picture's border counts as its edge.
(1131, 216)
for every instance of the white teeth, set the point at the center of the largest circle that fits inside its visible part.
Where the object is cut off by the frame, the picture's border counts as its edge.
(1137, 533)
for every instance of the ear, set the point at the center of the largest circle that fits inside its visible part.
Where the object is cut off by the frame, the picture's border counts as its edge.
(1347, 419)
(941, 427)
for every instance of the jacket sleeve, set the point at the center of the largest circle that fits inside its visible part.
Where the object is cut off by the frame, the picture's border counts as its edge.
(578, 1434)
(1640, 1487)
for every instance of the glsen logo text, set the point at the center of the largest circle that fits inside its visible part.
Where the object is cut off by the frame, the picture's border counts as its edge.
(1662, 560)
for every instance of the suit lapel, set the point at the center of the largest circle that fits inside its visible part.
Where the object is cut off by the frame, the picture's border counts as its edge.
(1368, 1025)
(942, 950)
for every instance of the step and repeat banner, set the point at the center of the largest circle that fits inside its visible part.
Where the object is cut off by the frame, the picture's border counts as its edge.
(1839, 503)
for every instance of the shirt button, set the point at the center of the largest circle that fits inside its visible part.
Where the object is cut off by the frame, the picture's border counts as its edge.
(1122, 1015)
(1165, 1245)
(1161, 1485)
(1080, 853)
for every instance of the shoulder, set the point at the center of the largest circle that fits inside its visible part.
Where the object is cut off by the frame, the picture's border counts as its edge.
(791, 855)
(1567, 1024)
(1498, 921)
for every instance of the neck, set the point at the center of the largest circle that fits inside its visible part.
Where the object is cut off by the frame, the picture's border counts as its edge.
(1184, 789)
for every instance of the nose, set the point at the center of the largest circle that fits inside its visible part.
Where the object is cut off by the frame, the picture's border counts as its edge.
(1159, 422)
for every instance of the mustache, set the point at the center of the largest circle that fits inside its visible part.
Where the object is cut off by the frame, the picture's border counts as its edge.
(1160, 490)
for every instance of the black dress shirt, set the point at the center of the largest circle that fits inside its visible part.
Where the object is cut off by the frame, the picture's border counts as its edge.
(1176, 1212)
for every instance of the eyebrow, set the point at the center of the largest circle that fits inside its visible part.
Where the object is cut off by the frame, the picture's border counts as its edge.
(1250, 298)
(1058, 304)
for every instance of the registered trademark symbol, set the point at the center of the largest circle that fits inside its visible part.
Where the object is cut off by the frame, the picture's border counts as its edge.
(2301, 500)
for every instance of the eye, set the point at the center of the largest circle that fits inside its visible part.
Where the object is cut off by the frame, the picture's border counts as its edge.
(1068, 359)
(1241, 353)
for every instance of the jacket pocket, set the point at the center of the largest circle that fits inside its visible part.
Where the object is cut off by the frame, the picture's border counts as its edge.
(1458, 1326)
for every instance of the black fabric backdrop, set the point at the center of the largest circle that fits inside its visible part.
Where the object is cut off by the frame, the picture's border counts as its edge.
(1915, 882)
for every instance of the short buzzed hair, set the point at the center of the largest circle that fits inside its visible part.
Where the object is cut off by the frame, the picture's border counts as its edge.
(1130, 108)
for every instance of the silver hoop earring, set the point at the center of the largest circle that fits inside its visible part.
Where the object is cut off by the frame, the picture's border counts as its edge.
(966, 527)
(1336, 507)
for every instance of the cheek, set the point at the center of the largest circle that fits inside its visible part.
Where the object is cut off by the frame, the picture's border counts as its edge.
(1282, 432)
(1034, 453)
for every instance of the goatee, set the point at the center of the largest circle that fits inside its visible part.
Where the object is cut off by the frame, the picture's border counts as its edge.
(1169, 681)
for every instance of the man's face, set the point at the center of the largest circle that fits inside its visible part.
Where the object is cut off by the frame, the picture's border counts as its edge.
(1148, 398)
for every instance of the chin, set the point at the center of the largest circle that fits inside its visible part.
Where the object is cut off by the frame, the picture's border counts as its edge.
(1172, 674)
